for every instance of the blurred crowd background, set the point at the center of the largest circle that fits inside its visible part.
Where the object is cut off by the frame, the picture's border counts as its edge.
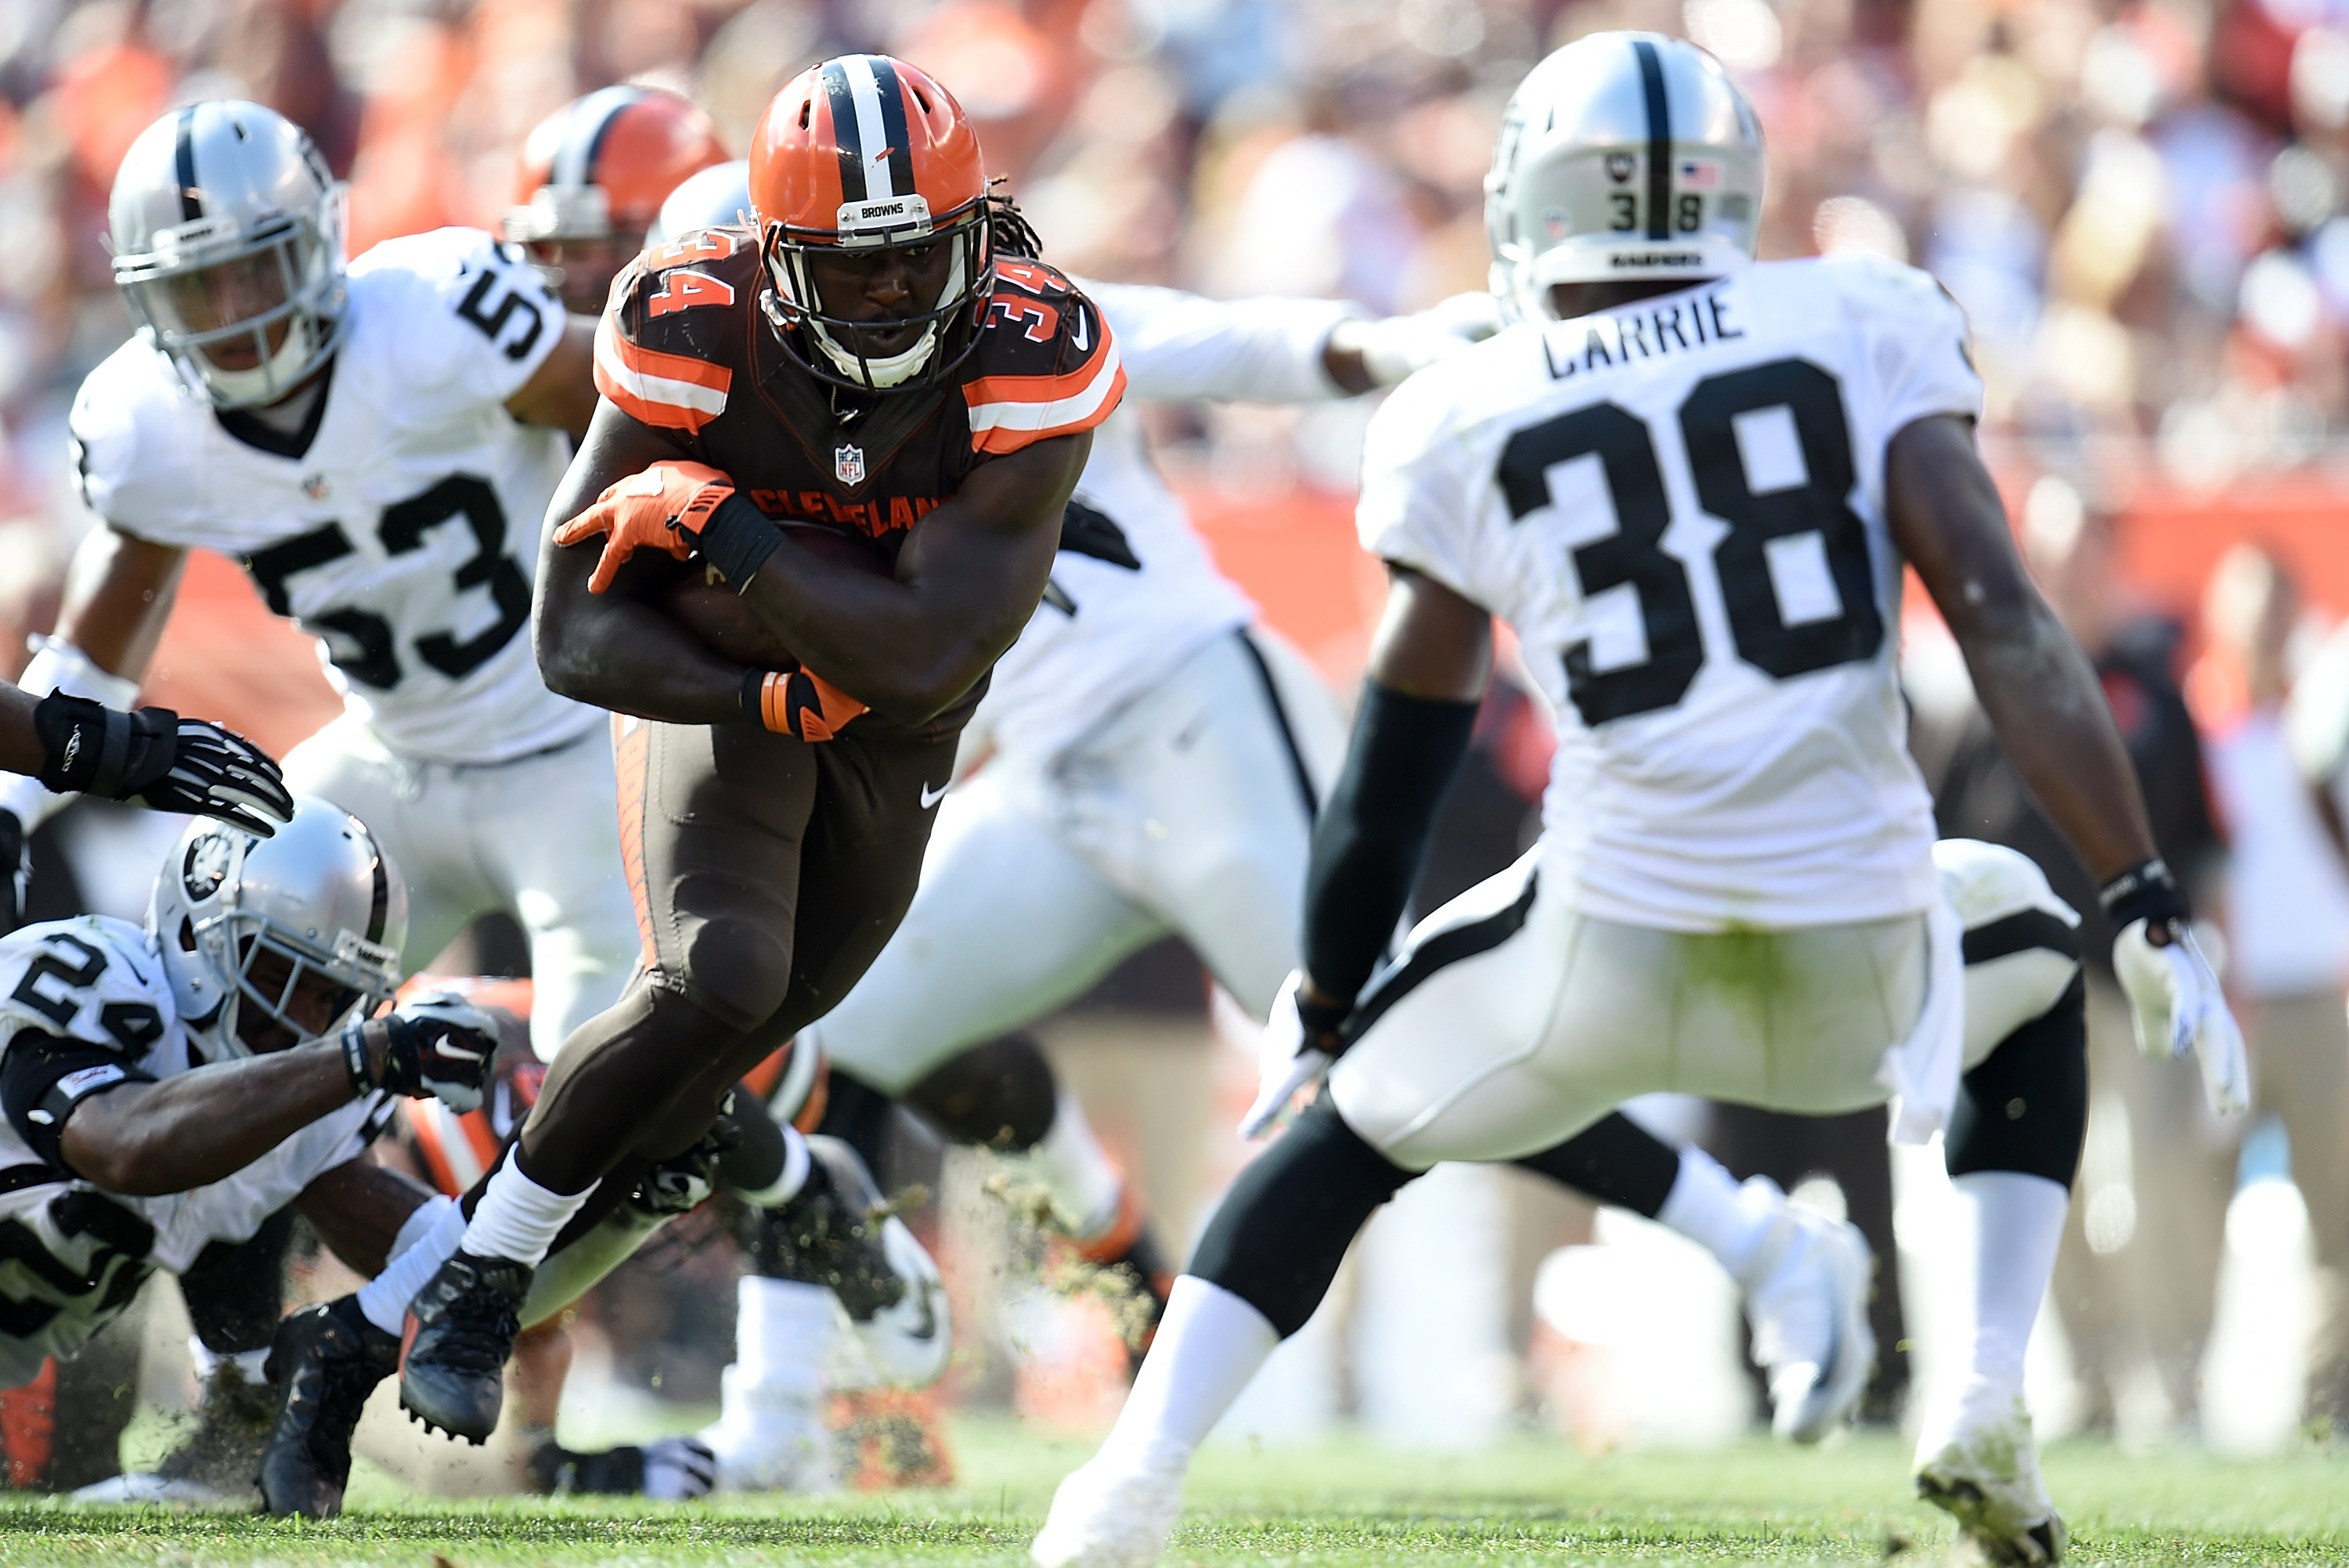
(2144, 209)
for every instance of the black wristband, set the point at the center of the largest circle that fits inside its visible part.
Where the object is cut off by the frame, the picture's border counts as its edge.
(85, 745)
(2144, 891)
(1321, 1019)
(738, 539)
(354, 1059)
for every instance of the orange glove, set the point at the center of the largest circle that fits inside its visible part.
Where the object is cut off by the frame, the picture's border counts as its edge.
(801, 704)
(663, 508)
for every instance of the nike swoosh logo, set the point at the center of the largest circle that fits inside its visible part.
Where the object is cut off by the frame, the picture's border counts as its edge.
(932, 797)
(1083, 334)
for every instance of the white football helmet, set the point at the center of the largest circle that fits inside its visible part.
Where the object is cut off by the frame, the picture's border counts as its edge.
(321, 894)
(1622, 156)
(717, 198)
(227, 231)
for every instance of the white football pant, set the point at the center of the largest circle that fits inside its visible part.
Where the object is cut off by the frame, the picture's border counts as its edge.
(537, 838)
(1183, 811)
(1512, 1021)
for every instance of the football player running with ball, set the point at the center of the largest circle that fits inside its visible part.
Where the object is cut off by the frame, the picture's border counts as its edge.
(375, 442)
(1689, 482)
(870, 365)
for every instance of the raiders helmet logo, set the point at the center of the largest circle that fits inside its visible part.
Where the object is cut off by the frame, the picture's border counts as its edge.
(206, 866)
(1620, 166)
(848, 464)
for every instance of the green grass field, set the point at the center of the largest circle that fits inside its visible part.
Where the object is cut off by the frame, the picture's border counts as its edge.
(1339, 1504)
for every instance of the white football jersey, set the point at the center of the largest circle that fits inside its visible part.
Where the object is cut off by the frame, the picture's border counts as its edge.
(71, 1255)
(402, 527)
(1679, 506)
(1107, 630)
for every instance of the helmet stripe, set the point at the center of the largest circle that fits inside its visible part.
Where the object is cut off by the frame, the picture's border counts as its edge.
(845, 132)
(873, 148)
(583, 139)
(1660, 140)
(379, 905)
(891, 90)
(192, 204)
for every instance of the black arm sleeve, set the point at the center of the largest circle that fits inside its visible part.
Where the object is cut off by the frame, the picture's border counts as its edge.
(1372, 835)
(43, 1077)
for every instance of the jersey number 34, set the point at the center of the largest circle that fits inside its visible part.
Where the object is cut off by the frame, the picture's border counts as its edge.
(1634, 554)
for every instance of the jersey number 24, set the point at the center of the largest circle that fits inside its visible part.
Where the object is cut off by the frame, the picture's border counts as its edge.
(1634, 555)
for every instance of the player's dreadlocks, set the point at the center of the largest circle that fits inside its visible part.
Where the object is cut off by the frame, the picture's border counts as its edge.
(1014, 235)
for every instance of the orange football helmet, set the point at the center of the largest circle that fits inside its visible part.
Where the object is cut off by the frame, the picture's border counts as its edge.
(592, 177)
(867, 159)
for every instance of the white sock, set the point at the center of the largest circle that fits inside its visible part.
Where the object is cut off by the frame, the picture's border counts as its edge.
(785, 1187)
(1209, 1345)
(2018, 1223)
(783, 1328)
(517, 1219)
(1086, 1185)
(1709, 1207)
(416, 1256)
(209, 1361)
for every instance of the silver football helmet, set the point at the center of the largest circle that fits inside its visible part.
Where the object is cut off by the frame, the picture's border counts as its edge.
(321, 894)
(717, 198)
(1623, 155)
(227, 233)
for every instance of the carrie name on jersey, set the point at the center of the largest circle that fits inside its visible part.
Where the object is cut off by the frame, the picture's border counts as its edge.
(85, 1007)
(400, 524)
(1689, 537)
(690, 344)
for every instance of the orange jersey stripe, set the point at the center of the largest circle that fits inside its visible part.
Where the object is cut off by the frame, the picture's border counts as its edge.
(669, 391)
(632, 754)
(1009, 412)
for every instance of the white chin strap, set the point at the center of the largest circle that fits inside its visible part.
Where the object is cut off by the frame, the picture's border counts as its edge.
(897, 368)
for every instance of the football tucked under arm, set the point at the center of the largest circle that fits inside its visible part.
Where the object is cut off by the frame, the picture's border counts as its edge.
(709, 607)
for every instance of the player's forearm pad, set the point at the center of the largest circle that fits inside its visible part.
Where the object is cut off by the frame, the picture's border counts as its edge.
(1373, 833)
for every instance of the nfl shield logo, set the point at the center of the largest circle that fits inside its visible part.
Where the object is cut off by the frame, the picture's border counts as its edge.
(848, 464)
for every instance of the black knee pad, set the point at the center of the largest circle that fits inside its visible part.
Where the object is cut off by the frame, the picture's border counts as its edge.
(235, 1292)
(2025, 1109)
(1614, 1161)
(1281, 1232)
(1000, 1094)
(740, 969)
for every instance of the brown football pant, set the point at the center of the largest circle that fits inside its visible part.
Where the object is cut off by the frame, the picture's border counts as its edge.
(768, 872)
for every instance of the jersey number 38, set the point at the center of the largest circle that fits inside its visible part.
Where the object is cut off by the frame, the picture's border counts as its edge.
(1633, 554)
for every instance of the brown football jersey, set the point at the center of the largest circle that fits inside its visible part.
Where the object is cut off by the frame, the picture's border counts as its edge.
(686, 345)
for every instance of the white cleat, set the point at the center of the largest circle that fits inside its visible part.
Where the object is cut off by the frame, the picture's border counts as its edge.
(770, 1440)
(1982, 1470)
(907, 1344)
(166, 1491)
(1807, 1292)
(1104, 1518)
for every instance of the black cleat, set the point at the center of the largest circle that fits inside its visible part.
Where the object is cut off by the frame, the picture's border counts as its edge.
(460, 1329)
(326, 1361)
(829, 1233)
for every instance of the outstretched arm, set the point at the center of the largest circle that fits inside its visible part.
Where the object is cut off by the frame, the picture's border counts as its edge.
(2043, 700)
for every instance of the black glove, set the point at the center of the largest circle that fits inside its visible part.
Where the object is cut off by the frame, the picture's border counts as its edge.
(440, 1045)
(155, 759)
(15, 871)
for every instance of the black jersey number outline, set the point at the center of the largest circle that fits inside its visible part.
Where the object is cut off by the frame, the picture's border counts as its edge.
(120, 1245)
(1633, 554)
(372, 656)
(48, 965)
